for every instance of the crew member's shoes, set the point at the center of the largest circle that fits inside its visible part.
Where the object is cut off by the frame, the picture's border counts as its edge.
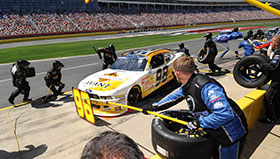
(27, 100)
(227, 71)
(11, 101)
(267, 121)
(217, 73)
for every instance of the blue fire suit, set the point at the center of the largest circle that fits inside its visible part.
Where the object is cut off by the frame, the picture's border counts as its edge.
(218, 114)
(249, 50)
(232, 36)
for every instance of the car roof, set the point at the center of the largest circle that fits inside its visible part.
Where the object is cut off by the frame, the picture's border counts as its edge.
(143, 52)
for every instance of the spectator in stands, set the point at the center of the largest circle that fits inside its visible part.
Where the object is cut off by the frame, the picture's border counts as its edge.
(111, 145)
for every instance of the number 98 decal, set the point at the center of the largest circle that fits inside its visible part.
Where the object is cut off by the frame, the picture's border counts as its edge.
(161, 75)
(83, 106)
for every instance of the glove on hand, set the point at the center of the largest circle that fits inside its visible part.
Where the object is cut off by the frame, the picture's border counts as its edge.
(266, 66)
(193, 125)
(150, 108)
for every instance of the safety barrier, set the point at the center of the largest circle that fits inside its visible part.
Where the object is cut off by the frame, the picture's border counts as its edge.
(252, 106)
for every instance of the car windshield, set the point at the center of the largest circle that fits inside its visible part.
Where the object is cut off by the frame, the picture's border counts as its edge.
(224, 33)
(130, 64)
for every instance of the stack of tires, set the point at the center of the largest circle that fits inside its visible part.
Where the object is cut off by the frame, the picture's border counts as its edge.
(169, 144)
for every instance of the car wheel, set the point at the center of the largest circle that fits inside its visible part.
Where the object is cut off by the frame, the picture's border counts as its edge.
(134, 96)
(173, 141)
(247, 72)
(206, 56)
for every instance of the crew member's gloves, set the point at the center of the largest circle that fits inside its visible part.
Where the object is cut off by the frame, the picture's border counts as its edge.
(266, 67)
(193, 125)
(150, 108)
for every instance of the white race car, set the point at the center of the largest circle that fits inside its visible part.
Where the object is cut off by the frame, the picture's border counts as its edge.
(133, 76)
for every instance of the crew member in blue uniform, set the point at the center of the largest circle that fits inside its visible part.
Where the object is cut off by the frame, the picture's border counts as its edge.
(249, 49)
(233, 36)
(216, 113)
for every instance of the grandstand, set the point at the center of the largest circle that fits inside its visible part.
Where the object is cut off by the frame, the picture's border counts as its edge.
(20, 18)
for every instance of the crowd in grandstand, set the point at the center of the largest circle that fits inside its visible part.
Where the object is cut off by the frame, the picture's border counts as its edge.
(41, 21)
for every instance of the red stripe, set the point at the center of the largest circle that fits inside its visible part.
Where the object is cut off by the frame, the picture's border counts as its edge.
(215, 99)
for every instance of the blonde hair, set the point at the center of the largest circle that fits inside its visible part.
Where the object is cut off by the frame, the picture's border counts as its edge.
(275, 42)
(184, 64)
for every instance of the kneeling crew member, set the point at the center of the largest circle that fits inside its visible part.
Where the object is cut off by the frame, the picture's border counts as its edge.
(217, 114)
(19, 74)
(53, 78)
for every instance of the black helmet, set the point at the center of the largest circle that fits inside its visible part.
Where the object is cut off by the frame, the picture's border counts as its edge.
(22, 63)
(235, 29)
(208, 35)
(246, 37)
(111, 46)
(181, 45)
(57, 64)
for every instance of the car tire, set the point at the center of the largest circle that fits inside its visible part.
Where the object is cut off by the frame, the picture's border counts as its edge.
(171, 145)
(134, 96)
(206, 56)
(247, 72)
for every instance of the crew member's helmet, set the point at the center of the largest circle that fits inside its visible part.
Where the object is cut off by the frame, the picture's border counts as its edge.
(22, 63)
(57, 64)
(181, 45)
(208, 35)
(112, 47)
(235, 29)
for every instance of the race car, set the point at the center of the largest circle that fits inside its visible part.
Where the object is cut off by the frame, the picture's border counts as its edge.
(133, 76)
(223, 36)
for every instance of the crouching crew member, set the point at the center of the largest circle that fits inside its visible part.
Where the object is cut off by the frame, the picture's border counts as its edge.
(53, 78)
(217, 114)
(109, 55)
(19, 73)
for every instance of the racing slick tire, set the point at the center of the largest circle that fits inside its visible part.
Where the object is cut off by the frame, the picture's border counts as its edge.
(169, 144)
(134, 96)
(206, 56)
(247, 72)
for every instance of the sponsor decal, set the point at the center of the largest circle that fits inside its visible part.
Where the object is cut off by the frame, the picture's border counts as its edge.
(210, 92)
(115, 74)
(218, 105)
(214, 98)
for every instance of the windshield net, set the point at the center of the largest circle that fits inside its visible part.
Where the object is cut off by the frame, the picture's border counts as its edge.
(131, 64)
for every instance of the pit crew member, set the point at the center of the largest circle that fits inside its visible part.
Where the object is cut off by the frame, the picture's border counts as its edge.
(271, 99)
(53, 78)
(109, 55)
(19, 76)
(216, 113)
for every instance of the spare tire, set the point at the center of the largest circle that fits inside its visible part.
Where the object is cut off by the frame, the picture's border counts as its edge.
(247, 72)
(174, 141)
(30, 72)
(207, 55)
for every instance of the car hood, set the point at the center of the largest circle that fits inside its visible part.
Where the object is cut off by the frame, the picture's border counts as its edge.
(109, 80)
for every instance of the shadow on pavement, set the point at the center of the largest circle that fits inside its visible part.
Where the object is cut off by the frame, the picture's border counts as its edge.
(255, 137)
(32, 152)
